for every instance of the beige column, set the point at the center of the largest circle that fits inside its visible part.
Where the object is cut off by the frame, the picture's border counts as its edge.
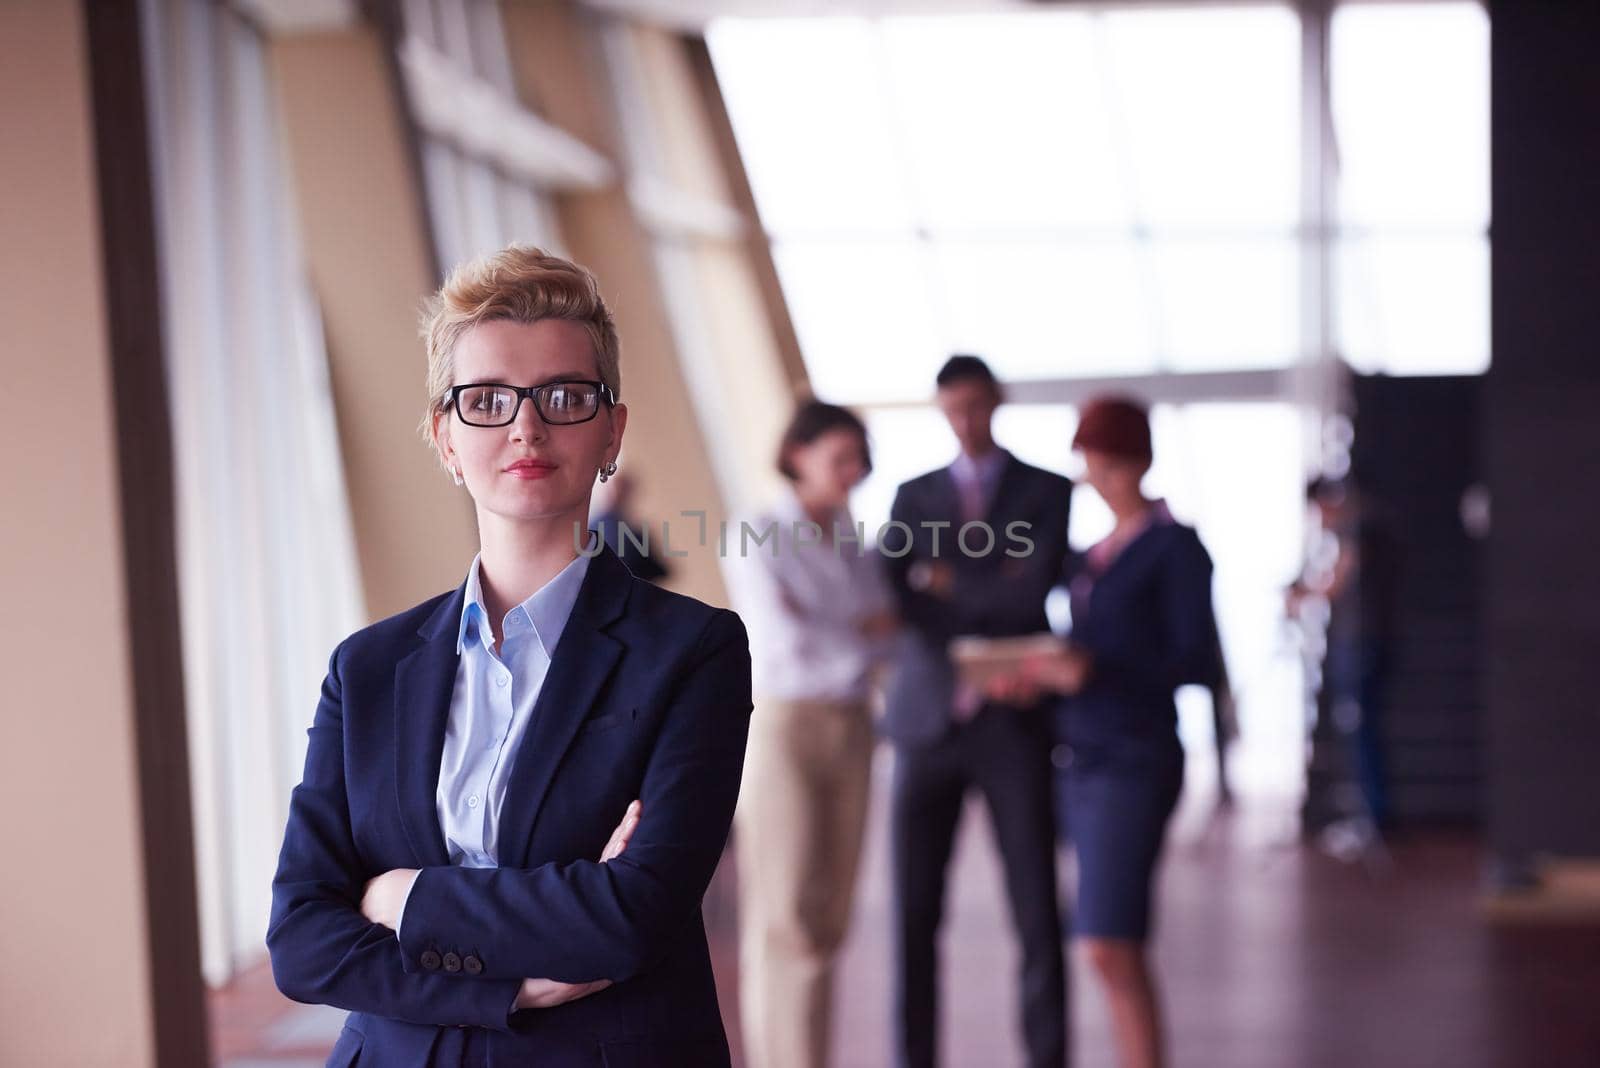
(757, 252)
(76, 964)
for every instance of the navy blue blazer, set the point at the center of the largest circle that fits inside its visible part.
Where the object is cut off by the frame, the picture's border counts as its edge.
(1147, 621)
(995, 594)
(648, 697)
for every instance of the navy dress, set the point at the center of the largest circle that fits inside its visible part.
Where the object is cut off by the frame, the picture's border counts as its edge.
(1145, 617)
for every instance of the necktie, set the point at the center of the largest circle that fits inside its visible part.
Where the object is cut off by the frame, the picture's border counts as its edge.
(970, 490)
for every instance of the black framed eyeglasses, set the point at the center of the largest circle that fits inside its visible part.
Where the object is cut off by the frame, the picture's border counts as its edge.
(558, 403)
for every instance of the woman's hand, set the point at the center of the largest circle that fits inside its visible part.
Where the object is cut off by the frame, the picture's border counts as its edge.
(548, 993)
(1065, 672)
(1015, 688)
(624, 831)
(385, 896)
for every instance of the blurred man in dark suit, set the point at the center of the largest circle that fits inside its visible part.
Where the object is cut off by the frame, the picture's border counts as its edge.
(972, 549)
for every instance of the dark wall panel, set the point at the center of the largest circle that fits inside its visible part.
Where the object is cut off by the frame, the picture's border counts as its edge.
(1543, 432)
(1417, 453)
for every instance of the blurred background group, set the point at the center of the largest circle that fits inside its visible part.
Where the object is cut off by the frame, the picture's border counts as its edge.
(1267, 222)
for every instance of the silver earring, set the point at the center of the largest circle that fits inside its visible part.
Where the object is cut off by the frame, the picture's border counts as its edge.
(608, 469)
(455, 473)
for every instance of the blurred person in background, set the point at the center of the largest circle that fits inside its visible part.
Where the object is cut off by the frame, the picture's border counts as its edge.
(1358, 577)
(820, 615)
(1142, 626)
(453, 870)
(619, 528)
(948, 738)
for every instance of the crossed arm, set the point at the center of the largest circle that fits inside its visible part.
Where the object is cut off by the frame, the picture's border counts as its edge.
(385, 898)
(581, 923)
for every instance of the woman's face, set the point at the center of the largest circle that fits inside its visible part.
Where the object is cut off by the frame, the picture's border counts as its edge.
(829, 467)
(1115, 478)
(529, 469)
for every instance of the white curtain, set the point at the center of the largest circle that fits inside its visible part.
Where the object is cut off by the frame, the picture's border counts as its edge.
(266, 556)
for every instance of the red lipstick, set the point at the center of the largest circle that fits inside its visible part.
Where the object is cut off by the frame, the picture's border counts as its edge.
(529, 468)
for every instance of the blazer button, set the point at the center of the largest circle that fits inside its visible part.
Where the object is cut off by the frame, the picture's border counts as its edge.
(472, 964)
(429, 960)
(452, 963)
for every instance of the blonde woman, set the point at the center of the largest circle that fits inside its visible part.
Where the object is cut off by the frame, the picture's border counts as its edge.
(454, 871)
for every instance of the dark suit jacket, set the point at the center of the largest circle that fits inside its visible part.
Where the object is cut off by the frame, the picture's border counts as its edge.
(995, 594)
(648, 697)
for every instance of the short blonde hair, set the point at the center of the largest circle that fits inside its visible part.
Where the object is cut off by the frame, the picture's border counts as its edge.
(521, 284)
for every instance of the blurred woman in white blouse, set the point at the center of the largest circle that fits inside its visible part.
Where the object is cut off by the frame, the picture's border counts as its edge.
(818, 609)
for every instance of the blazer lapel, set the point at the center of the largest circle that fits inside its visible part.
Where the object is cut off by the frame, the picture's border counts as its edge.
(424, 682)
(583, 661)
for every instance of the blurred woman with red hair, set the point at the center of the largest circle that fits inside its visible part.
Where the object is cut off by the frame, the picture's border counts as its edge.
(1142, 626)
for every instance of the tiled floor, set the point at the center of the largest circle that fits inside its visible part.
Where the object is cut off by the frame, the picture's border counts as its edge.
(1273, 955)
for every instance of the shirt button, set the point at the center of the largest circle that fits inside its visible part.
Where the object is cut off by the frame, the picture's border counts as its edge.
(501, 680)
(472, 802)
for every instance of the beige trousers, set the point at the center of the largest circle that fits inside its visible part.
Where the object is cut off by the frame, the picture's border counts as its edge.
(802, 811)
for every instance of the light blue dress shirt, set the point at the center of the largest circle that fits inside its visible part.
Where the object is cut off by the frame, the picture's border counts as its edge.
(491, 707)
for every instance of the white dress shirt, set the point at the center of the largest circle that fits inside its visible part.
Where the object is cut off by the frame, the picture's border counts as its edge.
(803, 602)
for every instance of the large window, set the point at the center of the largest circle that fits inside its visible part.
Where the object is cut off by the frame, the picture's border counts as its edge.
(1411, 115)
(1116, 192)
(267, 560)
(1067, 193)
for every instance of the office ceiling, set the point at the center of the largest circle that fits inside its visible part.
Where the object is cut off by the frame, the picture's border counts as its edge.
(690, 14)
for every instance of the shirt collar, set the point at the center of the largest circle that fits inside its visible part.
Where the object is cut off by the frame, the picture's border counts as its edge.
(985, 468)
(548, 609)
(474, 627)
